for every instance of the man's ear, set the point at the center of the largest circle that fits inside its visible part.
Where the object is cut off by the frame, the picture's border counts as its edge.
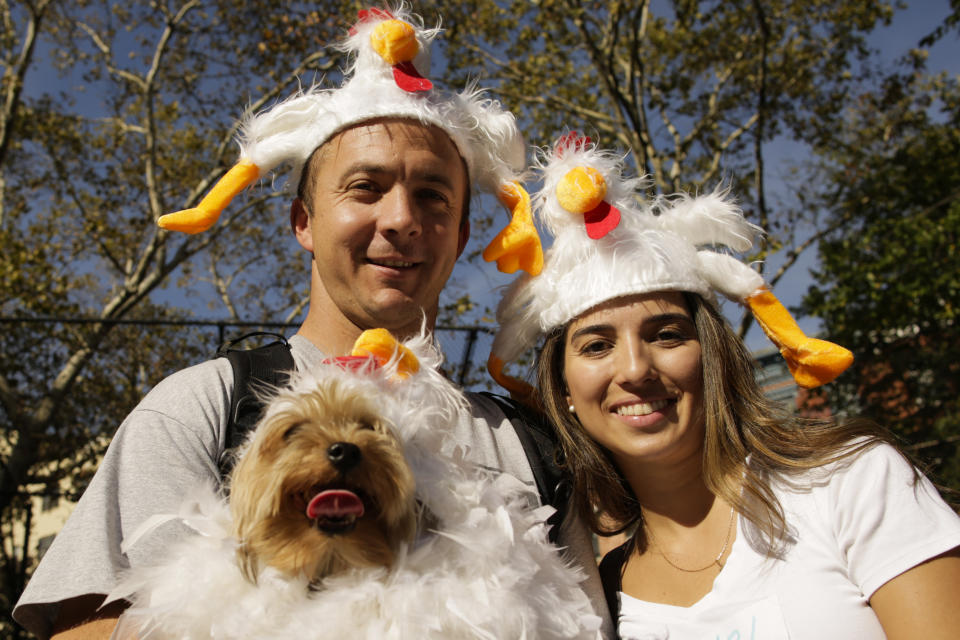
(464, 236)
(300, 224)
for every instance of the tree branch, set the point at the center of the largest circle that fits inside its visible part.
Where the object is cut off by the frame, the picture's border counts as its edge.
(13, 79)
(761, 121)
(107, 53)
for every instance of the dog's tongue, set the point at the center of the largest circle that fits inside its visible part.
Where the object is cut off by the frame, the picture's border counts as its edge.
(335, 503)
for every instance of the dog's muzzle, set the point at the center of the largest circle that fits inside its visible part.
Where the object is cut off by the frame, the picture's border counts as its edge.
(336, 509)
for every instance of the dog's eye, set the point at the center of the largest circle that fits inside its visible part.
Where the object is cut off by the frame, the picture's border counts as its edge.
(291, 430)
(367, 426)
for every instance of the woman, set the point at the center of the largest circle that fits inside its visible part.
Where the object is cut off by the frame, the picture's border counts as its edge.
(749, 522)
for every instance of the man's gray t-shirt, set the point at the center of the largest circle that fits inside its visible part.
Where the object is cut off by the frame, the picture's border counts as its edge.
(170, 444)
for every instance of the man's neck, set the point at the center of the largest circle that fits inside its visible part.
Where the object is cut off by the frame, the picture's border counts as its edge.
(334, 333)
(337, 339)
(331, 340)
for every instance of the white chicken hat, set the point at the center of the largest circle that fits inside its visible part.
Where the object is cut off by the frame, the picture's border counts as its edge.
(390, 54)
(608, 245)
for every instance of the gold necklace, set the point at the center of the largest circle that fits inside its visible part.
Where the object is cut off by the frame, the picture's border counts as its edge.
(715, 561)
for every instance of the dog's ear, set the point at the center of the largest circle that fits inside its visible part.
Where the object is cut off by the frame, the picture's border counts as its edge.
(407, 527)
(247, 561)
(255, 495)
(403, 513)
(250, 503)
(243, 507)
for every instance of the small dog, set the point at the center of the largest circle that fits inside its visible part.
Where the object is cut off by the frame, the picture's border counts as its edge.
(355, 513)
(322, 486)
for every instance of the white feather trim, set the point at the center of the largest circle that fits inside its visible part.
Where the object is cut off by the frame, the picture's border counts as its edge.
(486, 571)
(728, 275)
(271, 137)
(713, 219)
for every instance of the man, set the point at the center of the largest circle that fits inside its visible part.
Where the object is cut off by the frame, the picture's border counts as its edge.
(382, 206)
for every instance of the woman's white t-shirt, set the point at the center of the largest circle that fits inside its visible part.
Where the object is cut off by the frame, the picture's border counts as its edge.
(854, 525)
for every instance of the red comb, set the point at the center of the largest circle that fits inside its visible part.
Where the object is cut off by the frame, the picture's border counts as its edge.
(354, 363)
(366, 15)
(572, 140)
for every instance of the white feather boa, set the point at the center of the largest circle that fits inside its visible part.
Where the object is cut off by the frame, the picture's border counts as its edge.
(484, 569)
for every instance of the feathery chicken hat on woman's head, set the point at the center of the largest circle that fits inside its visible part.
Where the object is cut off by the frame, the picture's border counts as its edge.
(608, 245)
(387, 78)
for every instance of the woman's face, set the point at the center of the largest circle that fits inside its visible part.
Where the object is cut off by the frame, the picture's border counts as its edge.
(633, 373)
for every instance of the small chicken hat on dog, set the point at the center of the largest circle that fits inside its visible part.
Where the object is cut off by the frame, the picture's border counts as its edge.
(390, 52)
(608, 245)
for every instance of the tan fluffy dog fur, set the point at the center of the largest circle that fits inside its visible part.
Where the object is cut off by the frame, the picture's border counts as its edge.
(287, 462)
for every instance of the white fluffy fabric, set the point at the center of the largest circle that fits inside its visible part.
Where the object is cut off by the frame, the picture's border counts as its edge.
(485, 134)
(668, 244)
(484, 569)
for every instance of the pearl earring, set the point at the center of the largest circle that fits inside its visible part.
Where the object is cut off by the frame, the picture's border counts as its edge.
(572, 409)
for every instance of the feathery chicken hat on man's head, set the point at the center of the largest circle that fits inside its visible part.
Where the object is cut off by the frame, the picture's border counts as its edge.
(608, 245)
(387, 78)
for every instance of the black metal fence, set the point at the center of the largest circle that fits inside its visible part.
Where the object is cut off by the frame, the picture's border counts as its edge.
(470, 343)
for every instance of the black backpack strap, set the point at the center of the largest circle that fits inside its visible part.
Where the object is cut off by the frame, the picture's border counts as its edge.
(540, 444)
(611, 570)
(254, 370)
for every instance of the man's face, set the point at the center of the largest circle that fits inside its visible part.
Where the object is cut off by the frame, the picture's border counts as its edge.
(385, 203)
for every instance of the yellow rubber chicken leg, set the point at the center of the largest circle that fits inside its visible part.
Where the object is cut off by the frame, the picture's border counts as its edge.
(518, 245)
(205, 214)
(518, 389)
(812, 362)
(381, 344)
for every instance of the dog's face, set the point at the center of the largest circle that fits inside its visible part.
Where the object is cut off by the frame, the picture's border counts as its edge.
(322, 487)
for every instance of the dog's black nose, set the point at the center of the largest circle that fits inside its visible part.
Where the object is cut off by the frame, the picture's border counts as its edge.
(343, 455)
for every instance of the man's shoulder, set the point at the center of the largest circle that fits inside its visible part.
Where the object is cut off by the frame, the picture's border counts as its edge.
(200, 390)
(535, 438)
(497, 409)
(485, 406)
(209, 374)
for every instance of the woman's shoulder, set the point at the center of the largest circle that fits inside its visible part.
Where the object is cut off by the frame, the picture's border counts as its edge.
(871, 462)
(875, 481)
(856, 461)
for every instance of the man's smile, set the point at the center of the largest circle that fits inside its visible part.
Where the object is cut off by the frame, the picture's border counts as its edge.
(391, 263)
